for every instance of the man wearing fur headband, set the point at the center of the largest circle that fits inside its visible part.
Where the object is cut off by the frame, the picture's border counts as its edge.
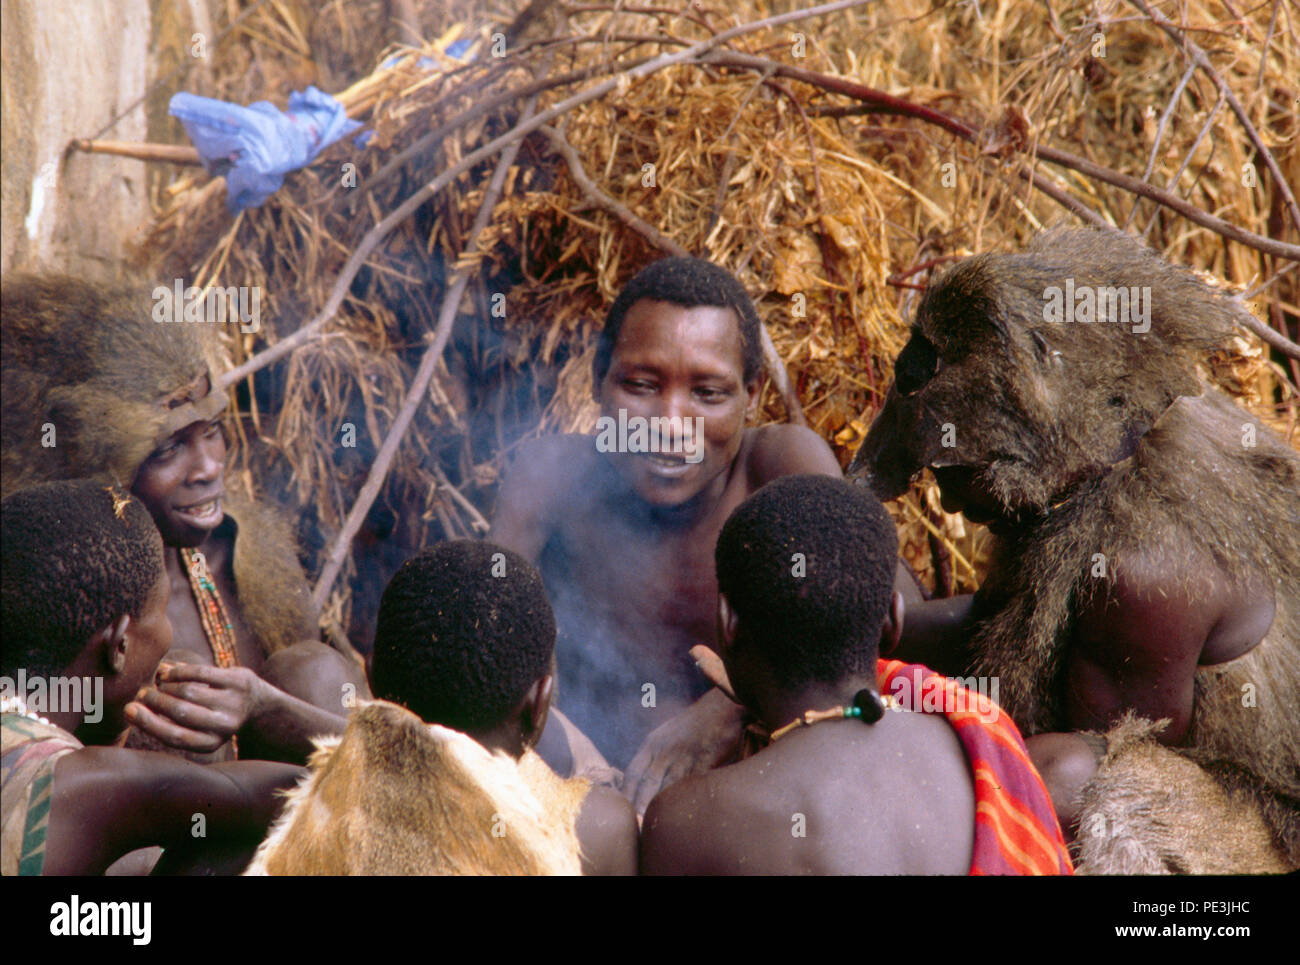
(94, 387)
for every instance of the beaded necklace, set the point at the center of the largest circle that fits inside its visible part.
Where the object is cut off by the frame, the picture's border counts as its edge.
(212, 614)
(212, 611)
(16, 705)
(868, 706)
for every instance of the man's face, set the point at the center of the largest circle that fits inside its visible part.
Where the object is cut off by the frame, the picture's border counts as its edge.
(181, 483)
(684, 364)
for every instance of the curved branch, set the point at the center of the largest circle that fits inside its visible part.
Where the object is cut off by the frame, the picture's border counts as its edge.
(889, 104)
(1198, 57)
(419, 385)
(1266, 334)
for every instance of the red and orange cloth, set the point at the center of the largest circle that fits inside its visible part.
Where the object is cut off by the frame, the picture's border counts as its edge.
(1016, 831)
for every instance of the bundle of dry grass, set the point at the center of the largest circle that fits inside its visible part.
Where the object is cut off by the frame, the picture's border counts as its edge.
(831, 162)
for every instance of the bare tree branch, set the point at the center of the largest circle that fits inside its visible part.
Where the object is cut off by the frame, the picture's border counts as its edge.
(1198, 57)
(889, 104)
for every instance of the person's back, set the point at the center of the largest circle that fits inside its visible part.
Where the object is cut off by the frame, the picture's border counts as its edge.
(836, 799)
(929, 779)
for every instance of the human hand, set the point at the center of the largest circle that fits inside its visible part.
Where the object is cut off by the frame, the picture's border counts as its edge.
(698, 739)
(194, 707)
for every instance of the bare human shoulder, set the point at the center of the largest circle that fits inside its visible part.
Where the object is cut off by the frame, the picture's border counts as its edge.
(677, 834)
(543, 473)
(787, 450)
(1139, 639)
(607, 831)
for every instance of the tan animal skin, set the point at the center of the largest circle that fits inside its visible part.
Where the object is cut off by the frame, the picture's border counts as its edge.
(396, 796)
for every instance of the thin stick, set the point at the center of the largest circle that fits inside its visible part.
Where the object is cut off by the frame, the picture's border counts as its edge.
(1160, 134)
(419, 385)
(889, 104)
(168, 153)
(602, 200)
(411, 204)
(823, 241)
(1191, 152)
(478, 520)
(1266, 333)
(772, 360)
(727, 165)
(1256, 289)
(436, 136)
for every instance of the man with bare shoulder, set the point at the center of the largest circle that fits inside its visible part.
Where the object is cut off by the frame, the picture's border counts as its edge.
(943, 785)
(623, 524)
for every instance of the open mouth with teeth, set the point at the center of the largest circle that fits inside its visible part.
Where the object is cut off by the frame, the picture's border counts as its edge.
(204, 515)
(666, 466)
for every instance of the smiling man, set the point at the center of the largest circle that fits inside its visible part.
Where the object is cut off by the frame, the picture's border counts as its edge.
(624, 533)
(72, 802)
(95, 388)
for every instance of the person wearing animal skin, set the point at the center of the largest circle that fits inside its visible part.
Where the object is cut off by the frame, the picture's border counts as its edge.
(1146, 575)
(805, 573)
(625, 540)
(95, 387)
(465, 642)
(84, 596)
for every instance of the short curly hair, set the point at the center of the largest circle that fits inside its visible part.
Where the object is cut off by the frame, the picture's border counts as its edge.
(78, 554)
(464, 630)
(690, 283)
(807, 563)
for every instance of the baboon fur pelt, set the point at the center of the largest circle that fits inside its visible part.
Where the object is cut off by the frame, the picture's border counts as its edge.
(90, 361)
(1107, 441)
(396, 796)
(1151, 810)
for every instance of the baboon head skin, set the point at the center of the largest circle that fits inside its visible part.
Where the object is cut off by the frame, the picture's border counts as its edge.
(1031, 406)
(90, 361)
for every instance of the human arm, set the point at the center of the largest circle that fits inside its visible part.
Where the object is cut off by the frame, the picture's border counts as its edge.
(937, 633)
(198, 708)
(571, 753)
(107, 801)
(1138, 640)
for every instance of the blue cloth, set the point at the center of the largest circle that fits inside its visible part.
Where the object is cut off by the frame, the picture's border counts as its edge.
(254, 147)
